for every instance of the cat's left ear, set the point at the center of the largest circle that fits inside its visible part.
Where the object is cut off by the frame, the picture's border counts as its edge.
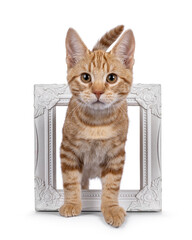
(75, 48)
(125, 48)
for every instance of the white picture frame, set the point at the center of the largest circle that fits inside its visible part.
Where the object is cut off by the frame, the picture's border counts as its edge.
(49, 198)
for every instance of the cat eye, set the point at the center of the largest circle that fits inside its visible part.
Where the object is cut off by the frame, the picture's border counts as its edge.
(111, 78)
(85, 77)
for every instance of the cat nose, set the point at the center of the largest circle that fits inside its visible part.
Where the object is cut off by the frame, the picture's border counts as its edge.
(98, 93)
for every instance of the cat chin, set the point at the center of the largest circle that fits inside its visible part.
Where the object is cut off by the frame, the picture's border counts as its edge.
(99, 106)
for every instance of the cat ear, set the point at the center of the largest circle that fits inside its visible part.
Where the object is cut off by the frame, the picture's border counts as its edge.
(75, 48)
(124, 49)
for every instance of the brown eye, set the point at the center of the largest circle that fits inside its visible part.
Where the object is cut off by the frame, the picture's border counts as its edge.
(85, 77)
(112, 78)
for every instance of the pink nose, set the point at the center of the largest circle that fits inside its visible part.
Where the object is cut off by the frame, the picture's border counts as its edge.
(98, 93)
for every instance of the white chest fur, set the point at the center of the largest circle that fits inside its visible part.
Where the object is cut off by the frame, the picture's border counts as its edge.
(94, 153)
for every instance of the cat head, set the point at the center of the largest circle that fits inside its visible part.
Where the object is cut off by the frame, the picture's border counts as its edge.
(99, 79)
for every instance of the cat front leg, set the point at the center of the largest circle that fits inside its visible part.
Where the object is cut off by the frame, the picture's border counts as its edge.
(111, 178)
(85, 182)
(71, 172)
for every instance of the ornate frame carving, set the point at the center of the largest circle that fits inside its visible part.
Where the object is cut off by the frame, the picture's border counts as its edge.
(48, 198)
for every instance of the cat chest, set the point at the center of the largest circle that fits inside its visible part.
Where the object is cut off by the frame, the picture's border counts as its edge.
(94, 151)
(93, 156)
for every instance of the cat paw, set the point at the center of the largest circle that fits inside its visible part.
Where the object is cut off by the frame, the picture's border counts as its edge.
(70, 210)
(114, 215)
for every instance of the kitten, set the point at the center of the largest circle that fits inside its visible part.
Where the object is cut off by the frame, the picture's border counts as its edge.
(96, 124)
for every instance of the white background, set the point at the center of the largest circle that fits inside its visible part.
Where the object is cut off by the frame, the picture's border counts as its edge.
(32, 35)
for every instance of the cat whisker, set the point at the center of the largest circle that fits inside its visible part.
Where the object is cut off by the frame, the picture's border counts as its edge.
(73, 110)
(123, 111)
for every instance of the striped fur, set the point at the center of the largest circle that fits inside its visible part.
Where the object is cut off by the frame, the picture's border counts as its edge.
(94, 133)
(108, 38)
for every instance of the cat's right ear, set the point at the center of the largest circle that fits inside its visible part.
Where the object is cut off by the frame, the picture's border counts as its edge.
(75, 48)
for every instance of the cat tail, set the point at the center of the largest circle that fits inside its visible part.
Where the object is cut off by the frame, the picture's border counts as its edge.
(108, 38)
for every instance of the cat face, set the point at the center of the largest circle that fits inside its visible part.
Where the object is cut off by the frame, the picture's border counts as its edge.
(99, 79)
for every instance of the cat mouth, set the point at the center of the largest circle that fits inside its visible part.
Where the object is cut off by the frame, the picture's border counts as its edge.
(98, 102)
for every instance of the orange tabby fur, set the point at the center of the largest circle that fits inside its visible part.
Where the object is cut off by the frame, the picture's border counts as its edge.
(94, 133)
(108, 38)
